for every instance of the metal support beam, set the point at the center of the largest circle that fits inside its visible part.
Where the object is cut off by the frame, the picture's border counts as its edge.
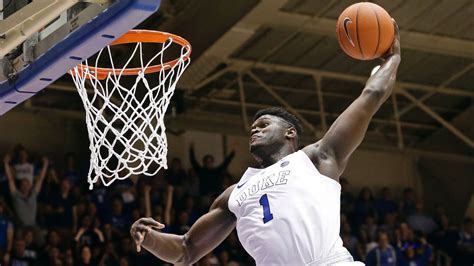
(208, 100)
(204, 101)
(319, 90)
(437, 89)
(243, 64)
(243, 106)
(401, 143)
(203, 105)
(425, 97)
(310, 93)
(284, 103)
(438, 118)
(211, 78)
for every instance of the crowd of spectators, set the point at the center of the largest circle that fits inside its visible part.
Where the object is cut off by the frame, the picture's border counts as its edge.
(384, 231)
(48, 216)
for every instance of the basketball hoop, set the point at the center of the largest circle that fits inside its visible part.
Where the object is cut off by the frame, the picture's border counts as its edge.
(125, 116)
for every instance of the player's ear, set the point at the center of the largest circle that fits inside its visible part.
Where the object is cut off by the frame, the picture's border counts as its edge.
(290, 133)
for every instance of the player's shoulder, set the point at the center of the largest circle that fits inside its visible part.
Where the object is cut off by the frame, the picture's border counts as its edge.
(317, 152)
(323, 159)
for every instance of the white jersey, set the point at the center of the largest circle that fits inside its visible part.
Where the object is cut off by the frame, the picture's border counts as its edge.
(288, 214)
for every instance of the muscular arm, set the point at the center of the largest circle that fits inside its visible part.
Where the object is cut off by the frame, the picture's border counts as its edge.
(208, 232)
(332, 152)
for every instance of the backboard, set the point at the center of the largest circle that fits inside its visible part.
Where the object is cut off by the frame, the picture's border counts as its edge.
(40, 41)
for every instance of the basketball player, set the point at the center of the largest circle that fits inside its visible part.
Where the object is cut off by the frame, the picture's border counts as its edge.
(287, 211)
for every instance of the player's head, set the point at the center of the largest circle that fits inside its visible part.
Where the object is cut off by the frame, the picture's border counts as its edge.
(273, 128)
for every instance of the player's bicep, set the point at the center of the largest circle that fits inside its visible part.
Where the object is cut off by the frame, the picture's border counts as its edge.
(331, 153)
(349, 129)
(211, 229)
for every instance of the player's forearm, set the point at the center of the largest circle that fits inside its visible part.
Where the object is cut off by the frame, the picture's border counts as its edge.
(167, 247)
(380, 85)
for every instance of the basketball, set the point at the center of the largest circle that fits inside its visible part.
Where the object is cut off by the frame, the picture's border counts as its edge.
(365, 31)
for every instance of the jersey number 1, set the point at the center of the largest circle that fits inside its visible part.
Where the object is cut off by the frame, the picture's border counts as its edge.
(267, 214)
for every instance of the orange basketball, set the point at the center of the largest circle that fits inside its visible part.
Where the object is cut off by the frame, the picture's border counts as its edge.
(365, 31)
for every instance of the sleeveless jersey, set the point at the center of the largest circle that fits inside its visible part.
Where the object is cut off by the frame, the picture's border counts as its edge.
(288, 214)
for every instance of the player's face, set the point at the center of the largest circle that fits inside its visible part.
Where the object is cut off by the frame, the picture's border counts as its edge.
(267, 130)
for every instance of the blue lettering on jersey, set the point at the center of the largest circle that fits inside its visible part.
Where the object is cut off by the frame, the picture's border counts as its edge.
(263, 184)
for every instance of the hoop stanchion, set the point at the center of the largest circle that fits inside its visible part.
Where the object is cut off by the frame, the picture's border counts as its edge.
(125, 117)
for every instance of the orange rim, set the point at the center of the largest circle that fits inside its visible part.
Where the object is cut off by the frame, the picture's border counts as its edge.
(143, 36)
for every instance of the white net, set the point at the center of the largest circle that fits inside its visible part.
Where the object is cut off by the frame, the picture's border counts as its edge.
(125, 115)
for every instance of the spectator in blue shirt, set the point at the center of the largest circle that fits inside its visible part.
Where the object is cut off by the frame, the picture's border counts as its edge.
(384, 254)
(417, 253)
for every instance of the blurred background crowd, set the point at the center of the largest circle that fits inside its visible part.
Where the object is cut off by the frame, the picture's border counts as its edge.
(48, 216)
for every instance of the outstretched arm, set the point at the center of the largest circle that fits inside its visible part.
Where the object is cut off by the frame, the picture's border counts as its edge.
(331, 153)
(192, 158)
(9, 173)
(226, 161)
(42, 175)
(208, 232)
